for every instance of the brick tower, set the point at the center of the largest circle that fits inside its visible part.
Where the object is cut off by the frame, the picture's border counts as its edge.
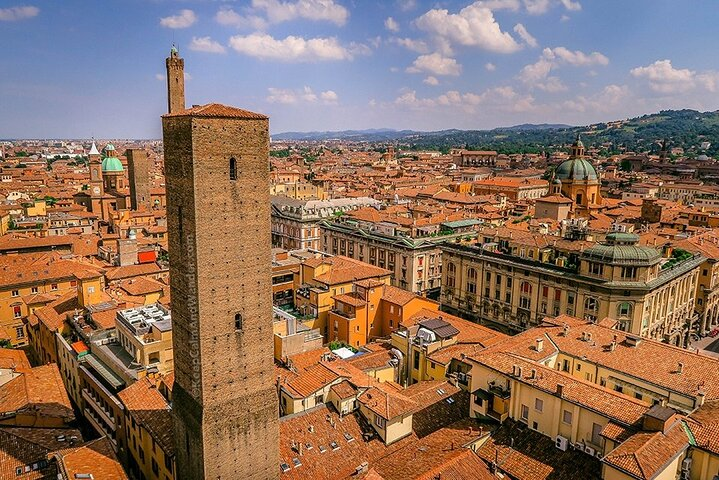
(96, 185)
(138, 172)
(175, 81)
(224, 397)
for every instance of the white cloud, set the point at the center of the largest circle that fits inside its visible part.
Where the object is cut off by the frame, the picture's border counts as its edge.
(435, 63)
(537, 7)
(525, 35)
(664, 78)
(474, 26)
(206, 44)
(329, 96)
(431, 81)
(227, 16)
(305, 95)
(578, 58)
(291, 48)
(552, 85)
(391, 24)
(407, 5)
(188, 77)
(608, 99)
(553, 58)
(184, 19)
(571, 5)
(499, 99)
(490, 67)
(565, 18)
(323, 10)
(418, 46)
(14, 14)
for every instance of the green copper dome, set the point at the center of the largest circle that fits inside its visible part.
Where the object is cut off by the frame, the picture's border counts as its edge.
(111, 164)
(576, 169)
(110, 147)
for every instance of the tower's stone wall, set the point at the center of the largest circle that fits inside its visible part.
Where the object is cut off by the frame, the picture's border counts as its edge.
(224, 396)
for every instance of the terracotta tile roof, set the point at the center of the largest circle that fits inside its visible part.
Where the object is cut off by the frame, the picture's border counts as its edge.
(386, 403)
(427, 457)
(465, 466)
(105, 319)
(217, 110)
(141, 286)
(302, 361)
(371, 360)
(524, 454)
(96, 457)
(650, 360)
(150, 409)
(469, 332)
(344, 390)
(39, 390)
(397, 296)
(23, 447)
(128, 271)
(13, 359)
(608, 403)
(313, 428)
(645, 454)
(704, 427)
(345, 270)
(53, 315)
(37, 268)
(439, 404)
(310, 380)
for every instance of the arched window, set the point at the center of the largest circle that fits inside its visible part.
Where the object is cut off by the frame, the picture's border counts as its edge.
(450, 268)
(238, 321)
(624, 309)
(527, 288)
(233, 169)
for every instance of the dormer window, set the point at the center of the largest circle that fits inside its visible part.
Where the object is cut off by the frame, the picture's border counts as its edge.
(233, 168)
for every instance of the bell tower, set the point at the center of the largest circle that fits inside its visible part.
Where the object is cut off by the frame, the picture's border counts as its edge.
(577, 148)
(175, 81)
(96, 184)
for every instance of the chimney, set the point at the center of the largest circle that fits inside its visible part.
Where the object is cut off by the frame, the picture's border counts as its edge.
(566, 329)
(519, 372)
(533, 374)
(701, 397)
(539, 346)
(514, 370)
(589, 336)
(560, 389)
(613, 345)
(680, 367)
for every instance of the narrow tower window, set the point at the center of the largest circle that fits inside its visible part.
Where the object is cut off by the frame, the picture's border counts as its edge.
(238, 321)
(233, 169)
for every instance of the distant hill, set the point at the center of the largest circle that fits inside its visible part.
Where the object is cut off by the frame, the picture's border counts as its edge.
(682, 128)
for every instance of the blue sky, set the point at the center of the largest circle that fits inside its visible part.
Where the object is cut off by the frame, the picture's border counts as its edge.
(81, 68)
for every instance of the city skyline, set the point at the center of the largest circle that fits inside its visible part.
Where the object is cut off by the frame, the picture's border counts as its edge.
(82, 70)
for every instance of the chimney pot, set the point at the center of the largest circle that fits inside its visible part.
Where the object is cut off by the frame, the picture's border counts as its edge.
(560, 389)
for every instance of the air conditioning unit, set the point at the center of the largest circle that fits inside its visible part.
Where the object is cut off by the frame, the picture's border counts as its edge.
(686, 464)
(561, 443)
(578, 446)
(598, 454)
(589, 450)
(461, 376)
